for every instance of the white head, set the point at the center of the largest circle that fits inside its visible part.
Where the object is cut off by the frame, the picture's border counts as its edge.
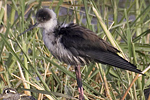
(46, 18)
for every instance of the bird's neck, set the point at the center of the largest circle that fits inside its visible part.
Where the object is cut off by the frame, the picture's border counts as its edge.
(50, 25)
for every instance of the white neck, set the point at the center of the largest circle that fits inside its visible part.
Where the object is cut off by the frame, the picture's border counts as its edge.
(49, 25)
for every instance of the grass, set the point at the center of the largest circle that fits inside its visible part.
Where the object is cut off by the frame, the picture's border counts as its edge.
(25, 63)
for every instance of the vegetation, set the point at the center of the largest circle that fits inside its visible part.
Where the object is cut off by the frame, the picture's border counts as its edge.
(25, 63)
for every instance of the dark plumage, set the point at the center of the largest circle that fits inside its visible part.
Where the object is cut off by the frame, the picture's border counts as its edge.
(82, 42)
(43, 16)
(76, 45)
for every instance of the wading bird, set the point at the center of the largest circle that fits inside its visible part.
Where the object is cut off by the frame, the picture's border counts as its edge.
(77, 45)
(11, 94)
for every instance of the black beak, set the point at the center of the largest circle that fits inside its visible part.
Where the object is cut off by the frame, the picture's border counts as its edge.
(36, 24)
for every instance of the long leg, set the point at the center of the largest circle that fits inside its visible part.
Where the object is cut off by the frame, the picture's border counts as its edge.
(79, 82)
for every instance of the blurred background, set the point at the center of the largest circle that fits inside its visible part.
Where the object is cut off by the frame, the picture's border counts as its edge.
(26, 64)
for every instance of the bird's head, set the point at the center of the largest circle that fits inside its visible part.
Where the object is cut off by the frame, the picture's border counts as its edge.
(44, 15)
(46, 19)
(8, 93)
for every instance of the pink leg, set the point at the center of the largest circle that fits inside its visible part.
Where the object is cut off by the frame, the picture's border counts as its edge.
(79, 82)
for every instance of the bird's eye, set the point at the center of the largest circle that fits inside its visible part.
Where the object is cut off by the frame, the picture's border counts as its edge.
(7, 91)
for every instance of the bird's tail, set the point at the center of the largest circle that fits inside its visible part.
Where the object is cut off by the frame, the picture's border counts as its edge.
(116, 61)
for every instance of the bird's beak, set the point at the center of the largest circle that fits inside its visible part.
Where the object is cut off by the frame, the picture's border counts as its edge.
(36, 24)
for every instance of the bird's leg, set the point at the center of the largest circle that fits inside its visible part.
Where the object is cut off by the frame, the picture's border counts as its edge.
(79, 82)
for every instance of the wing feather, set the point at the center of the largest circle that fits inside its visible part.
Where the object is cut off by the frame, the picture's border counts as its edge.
(86, 44)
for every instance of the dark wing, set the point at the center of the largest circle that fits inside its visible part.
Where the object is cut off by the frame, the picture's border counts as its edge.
(85, 43)
(82, 38)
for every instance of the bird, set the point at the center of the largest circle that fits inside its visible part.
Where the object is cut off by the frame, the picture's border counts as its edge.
(11, 94)
(76, 45)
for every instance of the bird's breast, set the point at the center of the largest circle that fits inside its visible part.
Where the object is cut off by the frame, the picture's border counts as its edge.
(57, 49)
